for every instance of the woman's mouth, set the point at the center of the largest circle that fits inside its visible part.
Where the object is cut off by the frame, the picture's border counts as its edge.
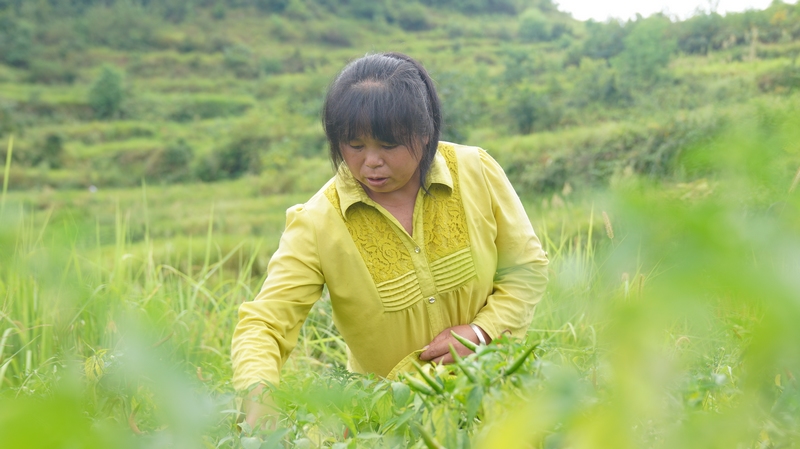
(376, 182)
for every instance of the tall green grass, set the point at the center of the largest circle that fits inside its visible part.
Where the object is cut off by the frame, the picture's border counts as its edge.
(669, 321)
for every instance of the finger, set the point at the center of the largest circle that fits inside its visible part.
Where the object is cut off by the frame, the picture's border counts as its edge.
(432, 352)
(438, 347)
(444, 359)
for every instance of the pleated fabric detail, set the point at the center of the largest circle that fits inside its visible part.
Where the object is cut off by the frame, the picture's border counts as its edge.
(399, 293)
(452, 271)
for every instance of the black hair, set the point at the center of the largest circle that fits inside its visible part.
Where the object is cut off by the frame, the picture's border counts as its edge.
(389, 97)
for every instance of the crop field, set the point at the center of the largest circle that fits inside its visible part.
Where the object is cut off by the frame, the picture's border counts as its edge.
(669, 321)
(149, 151)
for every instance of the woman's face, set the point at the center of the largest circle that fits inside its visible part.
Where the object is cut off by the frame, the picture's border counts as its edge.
(382, 167)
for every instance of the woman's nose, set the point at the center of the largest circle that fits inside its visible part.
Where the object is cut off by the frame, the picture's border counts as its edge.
(373, 158)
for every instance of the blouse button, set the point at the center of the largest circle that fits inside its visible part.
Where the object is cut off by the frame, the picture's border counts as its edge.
(416, 249)
(431, 300)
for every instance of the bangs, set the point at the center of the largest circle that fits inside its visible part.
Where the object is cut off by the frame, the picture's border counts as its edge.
(377, 110)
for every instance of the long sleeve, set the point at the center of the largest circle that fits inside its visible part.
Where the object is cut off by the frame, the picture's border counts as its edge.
(269, 326)
(521, 275)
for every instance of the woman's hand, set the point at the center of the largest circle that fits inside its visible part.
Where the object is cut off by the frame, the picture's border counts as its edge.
(260, 411)
(439, 349)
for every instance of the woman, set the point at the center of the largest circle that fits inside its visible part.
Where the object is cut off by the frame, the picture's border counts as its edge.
(413, 237)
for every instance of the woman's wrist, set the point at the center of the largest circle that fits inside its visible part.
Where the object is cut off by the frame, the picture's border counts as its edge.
(479, 332)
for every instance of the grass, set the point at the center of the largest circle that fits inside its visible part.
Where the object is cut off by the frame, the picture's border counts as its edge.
(676, 329)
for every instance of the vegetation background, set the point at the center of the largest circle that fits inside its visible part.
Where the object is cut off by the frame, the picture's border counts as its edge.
(151, 148)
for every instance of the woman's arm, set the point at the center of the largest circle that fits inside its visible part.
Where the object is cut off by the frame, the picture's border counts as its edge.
(269, 326)
(521, 275)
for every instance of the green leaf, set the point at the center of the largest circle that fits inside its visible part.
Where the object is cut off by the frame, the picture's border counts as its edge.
(376, 397)
(401, 393)
(250, 442)
(474, 400)
(274, 439)
(302, 443)
(398, 421)
(369, 436)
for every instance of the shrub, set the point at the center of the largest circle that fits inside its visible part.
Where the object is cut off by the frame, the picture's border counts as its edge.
(413, 17)
(283, 29)
(297, 10)
(598, 82)
(171, 164)
(123, 26)
(521, 65)
(648, 49)
(51, 152)
(16, 41)
(218, 11)
(271, 66)
(335, 35)
(462, 103)
(174, 11)
(700, 33)
(272, 6)
(531, 111)
(534, 26)
(238, 58)
(107, 93)
(7, 122)
(604, 40)
(782, 80)
(207, 107)
(50, 72)
(489, 6)
(368, 9)
(232, 160)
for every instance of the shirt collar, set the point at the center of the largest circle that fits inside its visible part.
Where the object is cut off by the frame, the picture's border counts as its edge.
(351, 192)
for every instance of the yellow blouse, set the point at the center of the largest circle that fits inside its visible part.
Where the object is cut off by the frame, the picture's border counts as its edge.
(472, 258)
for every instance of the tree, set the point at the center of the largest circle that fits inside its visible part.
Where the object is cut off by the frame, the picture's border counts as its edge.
(272, 6)
(172, 164)
(52, 152)
(16, 41)
(648, 49)
(413, 17)
(534, 26)
(604, 40)
(107, 93)
(700, 33)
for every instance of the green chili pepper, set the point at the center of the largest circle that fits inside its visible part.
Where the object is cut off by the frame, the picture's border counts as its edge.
(430, 380)
(419, 386)
(462, 366)
(429, 440)
(470, 345)
(518, 363)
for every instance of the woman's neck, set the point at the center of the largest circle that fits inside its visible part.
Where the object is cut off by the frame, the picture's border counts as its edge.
(399, 203)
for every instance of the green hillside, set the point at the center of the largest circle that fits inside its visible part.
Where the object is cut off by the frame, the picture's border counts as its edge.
(111, 93)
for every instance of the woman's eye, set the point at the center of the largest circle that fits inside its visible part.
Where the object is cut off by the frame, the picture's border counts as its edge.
(388, 146)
